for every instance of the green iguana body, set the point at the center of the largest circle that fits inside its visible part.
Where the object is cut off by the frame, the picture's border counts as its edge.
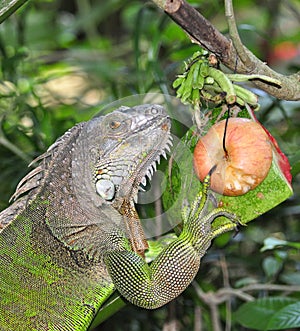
(71, 237)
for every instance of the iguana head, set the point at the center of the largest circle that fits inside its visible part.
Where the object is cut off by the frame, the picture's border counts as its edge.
(124, 148)
(88, 179)
(112, 156)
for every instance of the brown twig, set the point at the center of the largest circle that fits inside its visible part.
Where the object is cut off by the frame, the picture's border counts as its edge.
(271, 287)
(214, 299)
(223, 294)
(226, 283)
(235, 37)
(210, 299)
(197, 318)
(202, 32)
(172, 323)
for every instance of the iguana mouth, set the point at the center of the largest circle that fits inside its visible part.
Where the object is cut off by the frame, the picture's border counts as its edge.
(144, 137)
(148, 165)
(143, 173)
(151, 168)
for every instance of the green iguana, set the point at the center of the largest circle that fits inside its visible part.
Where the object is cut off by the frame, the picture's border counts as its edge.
(72, 236)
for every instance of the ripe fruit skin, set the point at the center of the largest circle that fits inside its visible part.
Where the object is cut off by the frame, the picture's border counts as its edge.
(247, 162)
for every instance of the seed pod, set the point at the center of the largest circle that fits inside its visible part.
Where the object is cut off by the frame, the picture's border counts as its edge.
(247, 159)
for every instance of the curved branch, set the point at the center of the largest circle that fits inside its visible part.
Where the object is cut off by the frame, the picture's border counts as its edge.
(234, 35)
(202, 32)
(226, 293)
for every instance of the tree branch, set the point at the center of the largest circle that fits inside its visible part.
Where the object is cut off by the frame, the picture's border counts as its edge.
(9, 7)
(234, 35)
(225, 293)
(241, 60)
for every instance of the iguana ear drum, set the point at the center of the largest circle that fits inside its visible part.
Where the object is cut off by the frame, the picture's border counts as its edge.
(242, 165)
(106, 189)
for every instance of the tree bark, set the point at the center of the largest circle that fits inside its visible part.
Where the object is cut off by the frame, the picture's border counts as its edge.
(202, 32)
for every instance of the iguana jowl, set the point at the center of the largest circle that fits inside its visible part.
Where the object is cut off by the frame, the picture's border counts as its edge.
(72, 236)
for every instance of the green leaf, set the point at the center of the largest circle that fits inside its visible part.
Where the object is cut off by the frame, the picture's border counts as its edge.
(286, 318)
(198, 80)
(273, 243)
(8, 7)
(262, 314)
(271, 266)
(113, 305)
(204, 70)
(292, 278)
(178, 81)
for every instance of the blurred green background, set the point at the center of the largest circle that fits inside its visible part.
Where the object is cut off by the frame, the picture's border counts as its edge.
(61, 61)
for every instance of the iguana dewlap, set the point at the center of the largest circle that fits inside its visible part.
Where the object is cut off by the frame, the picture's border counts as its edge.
(72, 235)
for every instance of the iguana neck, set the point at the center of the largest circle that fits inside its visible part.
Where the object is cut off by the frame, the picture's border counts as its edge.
(57, 232)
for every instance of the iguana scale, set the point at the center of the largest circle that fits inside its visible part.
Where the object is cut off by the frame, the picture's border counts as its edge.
(72, 236)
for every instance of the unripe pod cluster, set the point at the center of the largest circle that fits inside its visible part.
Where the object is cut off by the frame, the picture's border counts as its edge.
(244, 164)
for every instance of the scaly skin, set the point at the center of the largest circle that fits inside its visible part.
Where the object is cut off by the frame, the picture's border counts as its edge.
(176, 266)
(52, 273)
(72, 236)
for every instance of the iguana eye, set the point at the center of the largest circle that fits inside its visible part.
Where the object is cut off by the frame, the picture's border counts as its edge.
(114, 124)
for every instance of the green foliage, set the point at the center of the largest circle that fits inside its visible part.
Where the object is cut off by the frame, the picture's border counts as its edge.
(111, 307)
(203, 82)
(272, 313)
(8, 7)
(272, 243)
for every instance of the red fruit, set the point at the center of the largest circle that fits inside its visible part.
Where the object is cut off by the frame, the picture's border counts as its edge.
(246, 163)
(280, 158)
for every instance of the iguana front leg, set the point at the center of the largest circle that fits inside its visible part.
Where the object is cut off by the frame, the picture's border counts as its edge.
(176, 266)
